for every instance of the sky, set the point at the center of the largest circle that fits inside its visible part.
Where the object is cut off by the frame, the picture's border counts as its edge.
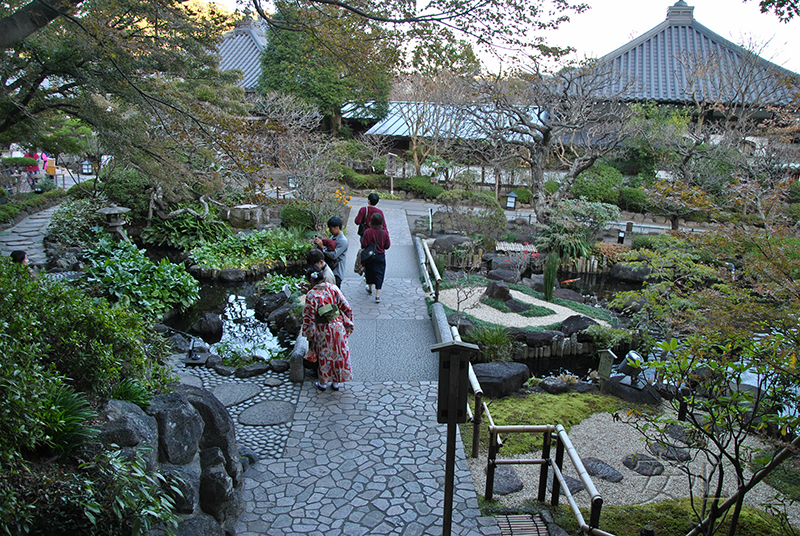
(609, 24)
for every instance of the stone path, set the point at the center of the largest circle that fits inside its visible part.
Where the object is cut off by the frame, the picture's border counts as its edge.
(27, 235)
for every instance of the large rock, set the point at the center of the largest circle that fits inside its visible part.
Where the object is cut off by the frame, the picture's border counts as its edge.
(643, 464)
(461, 322)
(232, 275)
(501, 379)
(130, 428)
(209, 327)
(219, 430)
(180, 427)
(669, 452)
(569, 294)
(501, 262)
(646, 395)
(554, 386)
(188, 482)
(277, 318)
(266, 304)
(601, 469)
(502, 274)
(576, 324)
(517, 306)
(498, 291)
(447, 243)
(506, 480)
(244, 216)
(254, 369)
(536, 282)
(625, 272)
(201, 525)
(538, 339)
(218, 495)
(518, 334)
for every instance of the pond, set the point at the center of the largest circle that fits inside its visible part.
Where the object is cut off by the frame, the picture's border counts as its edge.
(243, 333)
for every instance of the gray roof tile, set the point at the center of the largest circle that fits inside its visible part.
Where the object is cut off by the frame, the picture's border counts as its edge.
(241, 49)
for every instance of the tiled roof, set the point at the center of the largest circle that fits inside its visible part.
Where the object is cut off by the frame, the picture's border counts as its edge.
(656, 65)
(241, 49)
(425, 119)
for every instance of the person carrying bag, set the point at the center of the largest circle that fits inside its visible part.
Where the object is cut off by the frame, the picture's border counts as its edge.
(374, 244)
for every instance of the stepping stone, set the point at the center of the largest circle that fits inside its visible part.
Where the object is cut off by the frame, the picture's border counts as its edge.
(273, 382)
(231, 394)
(256, 369)
(573, 484)
(223, 370)
(643, 464)
(190, 379)
(267, 413)
(506, 480)
(279, 365)
(676, 431)
(601, 469)
(668, 452)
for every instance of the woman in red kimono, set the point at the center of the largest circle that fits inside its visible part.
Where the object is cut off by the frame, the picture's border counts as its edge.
(327, 323)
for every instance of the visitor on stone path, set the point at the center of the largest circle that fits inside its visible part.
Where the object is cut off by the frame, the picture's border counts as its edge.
(327, 324)
(21, 257)
(375, 268)
(316, 259)
(335, 259)
(365, 214)
(32, 171)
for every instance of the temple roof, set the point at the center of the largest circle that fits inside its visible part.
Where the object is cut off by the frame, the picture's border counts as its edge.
(680, 59)
(241, 49)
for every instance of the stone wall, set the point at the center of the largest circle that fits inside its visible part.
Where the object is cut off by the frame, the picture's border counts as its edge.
(190, 437)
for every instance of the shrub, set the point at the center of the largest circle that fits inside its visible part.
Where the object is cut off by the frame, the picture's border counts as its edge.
(132, 390)
(793, 195)
(573, 225)
(494, 342)
(184, 232)
(598, 184)
(128, 188)
(612, 252)
(64, 417)
(551, 187)
(125, 276)
(607, 337)
(30, 202)
(362, 182)
(296, 215)
(472, 211)
(632, 200)
(420, 185)
(273, 283)
(46, 184)
(74, 221)
(524, 195)
(792, 212)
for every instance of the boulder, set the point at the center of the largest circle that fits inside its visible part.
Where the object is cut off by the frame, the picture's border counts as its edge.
(224, 370)
(500, 262)
(232, 275)
(498, 291)
(518, 334)
(464, 324)
(646, 395)
(630, 306)
(213, 360)
(279, 365)
(643, 464)
(244, 216)
(130, 428)
(292, 325)
(266, 304)
(669, 452)
(218, 495)
(254, 369)
(601, 469)
(180, 427)
(569, 294)
(506, 480)
(573, 484)
(180, 343)
(502, 274)
(447, 243)
(554, 386)
(575, 324)
(209, 327)
(188, 482)
(625, 272)
(538, 339)
(277, 318)
(218, 431)
(583, 388)
(536, 282)
(501, 379)
(517, 306)
(201, 525)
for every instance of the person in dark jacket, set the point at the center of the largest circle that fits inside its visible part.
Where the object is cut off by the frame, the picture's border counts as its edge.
(375, 268)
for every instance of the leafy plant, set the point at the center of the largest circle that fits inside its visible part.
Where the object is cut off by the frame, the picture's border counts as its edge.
(131, 390)
(420, 185)
(607, 337)
(295, 215)
(471, 211)
(64, 417)
(524, 195)
(494, 342)
(128, 188)
(551, 187)
(599, 184)
(30, 202)
(273, 283)
(123, 273)
(572, 227)
(184, 232)
(632, 199)
(243, 251)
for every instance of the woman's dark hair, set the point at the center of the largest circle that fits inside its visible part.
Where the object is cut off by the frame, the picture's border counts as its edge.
(373, 198)
(18, 256)
(314, 256)
(376, 221)
(314, 275)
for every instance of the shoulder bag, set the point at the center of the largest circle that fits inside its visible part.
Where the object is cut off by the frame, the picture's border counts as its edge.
(371, 250)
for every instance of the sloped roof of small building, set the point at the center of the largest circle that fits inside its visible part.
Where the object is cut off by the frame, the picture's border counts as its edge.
(661, 65)
(241, 49)
(425, 119)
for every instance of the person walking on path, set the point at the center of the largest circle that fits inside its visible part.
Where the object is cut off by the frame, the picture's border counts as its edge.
(365, 213)
(33, 170)
(335, 259)
(327, 324)
(375, 266)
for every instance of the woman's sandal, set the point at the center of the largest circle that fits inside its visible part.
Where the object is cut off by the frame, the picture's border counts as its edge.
(335, 386)
(320, 386)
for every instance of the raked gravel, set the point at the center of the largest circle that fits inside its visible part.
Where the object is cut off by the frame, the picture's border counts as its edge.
(601, 436)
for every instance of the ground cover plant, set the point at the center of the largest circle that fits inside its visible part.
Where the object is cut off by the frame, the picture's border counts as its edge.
(246, 250)
(185, 231)
(28, 202)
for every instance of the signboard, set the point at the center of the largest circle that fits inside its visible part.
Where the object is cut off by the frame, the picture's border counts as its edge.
(391, 164)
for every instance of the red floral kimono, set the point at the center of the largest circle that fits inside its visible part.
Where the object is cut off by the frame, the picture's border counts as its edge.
(329, 340)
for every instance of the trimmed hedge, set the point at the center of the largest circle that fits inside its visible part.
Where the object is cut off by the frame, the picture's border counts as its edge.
(420, 185)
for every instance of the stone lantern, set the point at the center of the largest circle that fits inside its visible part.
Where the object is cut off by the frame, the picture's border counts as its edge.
(114, 222)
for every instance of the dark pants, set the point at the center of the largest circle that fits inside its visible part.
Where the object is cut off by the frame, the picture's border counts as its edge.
(375, 269)
(338, 280)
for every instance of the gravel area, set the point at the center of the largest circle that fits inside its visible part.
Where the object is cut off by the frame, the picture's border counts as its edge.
(472, 306)
(601, 436)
